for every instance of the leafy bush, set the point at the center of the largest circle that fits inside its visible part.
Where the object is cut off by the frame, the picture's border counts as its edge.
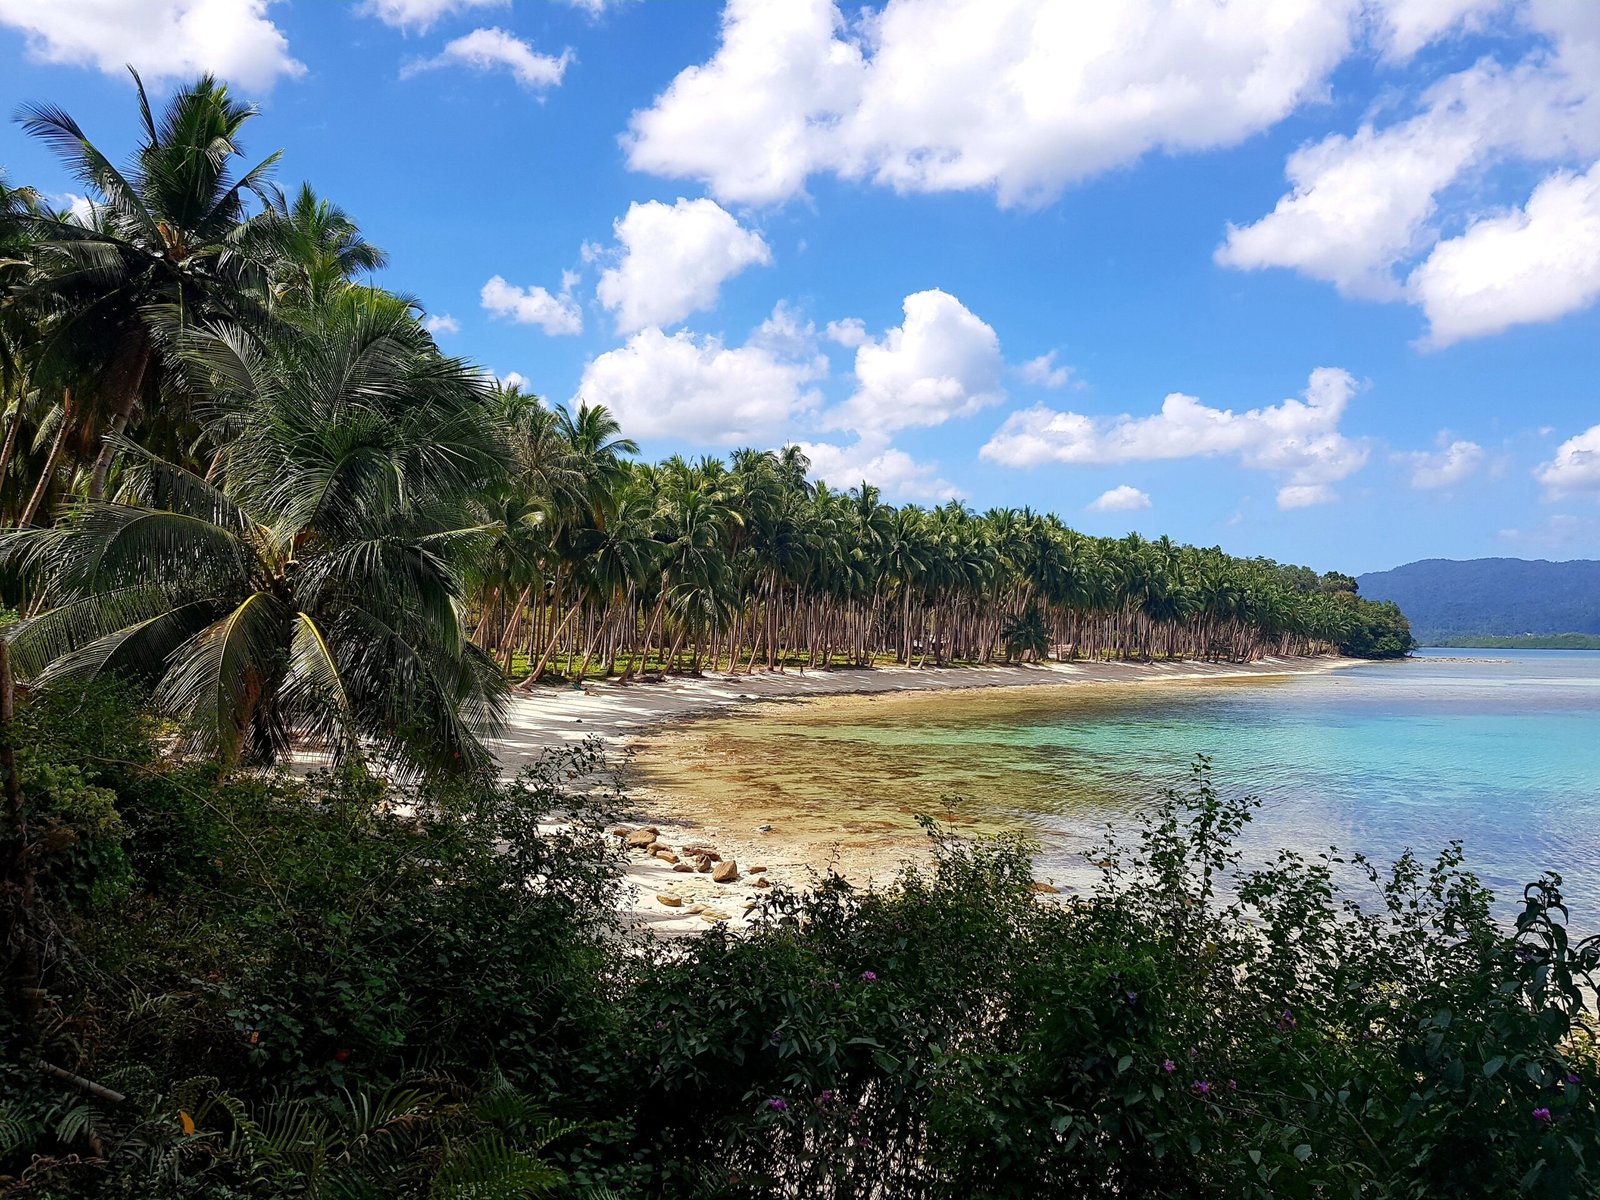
(332, 987)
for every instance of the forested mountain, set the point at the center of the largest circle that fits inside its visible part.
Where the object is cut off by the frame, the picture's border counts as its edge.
(1447, 599)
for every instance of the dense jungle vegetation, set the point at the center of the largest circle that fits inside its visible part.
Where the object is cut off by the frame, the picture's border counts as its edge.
(251, 507)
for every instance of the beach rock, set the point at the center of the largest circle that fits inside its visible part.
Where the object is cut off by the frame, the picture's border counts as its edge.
(713, 916)
(621, 831)
(656, 846)
(763, 882)
(1044, 889)
(671, 901)
(695, 909)
(667, 856)
(702, 852)
(683, 868)
(757, 870)
(641, 837)
(726, 872)
(763, 828)
(703, 865)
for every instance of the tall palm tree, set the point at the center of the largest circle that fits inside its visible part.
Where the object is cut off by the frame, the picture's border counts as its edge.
(309, 589)
(167, 246)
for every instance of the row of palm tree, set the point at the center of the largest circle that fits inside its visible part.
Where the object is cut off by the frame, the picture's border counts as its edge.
(240, 476)
(630, 567)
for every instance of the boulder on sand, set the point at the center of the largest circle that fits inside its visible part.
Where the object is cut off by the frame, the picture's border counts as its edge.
(641, 838)
(726, 872)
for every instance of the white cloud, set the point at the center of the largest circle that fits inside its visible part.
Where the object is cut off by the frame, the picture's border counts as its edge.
(1365, 209)
(1576, 465)
(1406, 26)
(941, 362)
(513, 379)
(165, 39)
(421, 14)
(1297, 440)
(691, 387)
(494, 49)
(872, 459)
(849, 332)
(1532, 264)
(1021, 96)
(1453, 463)
(672, 260)
(442, 323)
(1044, 372)
(1123, 498)
(556, 315)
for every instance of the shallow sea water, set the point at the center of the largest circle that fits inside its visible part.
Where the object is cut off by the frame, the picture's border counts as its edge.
(1500, 749)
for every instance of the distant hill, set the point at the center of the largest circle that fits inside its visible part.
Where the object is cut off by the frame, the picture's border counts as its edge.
(1446, 599)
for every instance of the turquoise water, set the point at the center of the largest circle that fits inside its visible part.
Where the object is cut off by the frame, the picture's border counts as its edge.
(1500, 749)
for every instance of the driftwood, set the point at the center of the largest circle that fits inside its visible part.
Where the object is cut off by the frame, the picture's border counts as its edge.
(98, 1090)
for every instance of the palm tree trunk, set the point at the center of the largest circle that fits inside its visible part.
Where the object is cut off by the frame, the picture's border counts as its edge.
(50, 464)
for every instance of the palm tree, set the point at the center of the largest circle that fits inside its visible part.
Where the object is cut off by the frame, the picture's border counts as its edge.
(166, 246)
(309, 589)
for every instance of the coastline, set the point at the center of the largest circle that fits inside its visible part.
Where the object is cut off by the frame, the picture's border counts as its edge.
(622, 716)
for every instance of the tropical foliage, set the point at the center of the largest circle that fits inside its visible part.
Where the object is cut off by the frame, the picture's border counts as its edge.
(254, 987)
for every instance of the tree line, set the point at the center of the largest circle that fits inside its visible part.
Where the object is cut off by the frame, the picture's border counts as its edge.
(238, 473)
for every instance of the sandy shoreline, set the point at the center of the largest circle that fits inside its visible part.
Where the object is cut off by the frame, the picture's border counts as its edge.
(619, 714)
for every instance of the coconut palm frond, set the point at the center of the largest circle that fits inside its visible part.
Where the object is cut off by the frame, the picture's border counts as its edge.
(224, 680)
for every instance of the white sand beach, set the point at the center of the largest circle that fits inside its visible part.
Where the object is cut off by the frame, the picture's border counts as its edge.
(661, 896)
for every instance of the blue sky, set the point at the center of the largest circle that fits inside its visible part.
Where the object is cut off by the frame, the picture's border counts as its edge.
(1316, 279)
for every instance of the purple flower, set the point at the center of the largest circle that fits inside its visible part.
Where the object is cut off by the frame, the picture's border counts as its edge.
(1572, 1077)
(1169, 1066)
(775, 1037)
(835, 987)
(825, 1096)
(1133, 997)
(1542, 1114)
(778, 1104)
(1201, 1086)
(1287, 1020)
(1232, 1086)
(659, 1025)
(869, 977)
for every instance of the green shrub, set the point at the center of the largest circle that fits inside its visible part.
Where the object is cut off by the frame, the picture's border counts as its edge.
(333, 987)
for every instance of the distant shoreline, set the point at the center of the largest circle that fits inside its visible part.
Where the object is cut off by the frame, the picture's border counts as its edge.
(1540, 641)
(614, 712)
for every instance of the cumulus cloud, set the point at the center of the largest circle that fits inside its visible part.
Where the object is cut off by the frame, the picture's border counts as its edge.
(556, 315)
(672, 260)
(873, 460)
(940, 362)
(443, 323)
(1576, 465)
(1019, 96)
(1044, 372)
(421, 14)
(1406, 26)
(1298, 440)
(165, 39)
(1369, 211)
(1451, 464)
(493, 50)
(694, 388)
(1532, 264)
(1123, 498)
(849, 332)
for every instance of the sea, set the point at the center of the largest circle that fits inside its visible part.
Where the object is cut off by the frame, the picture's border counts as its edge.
(1497, 749)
